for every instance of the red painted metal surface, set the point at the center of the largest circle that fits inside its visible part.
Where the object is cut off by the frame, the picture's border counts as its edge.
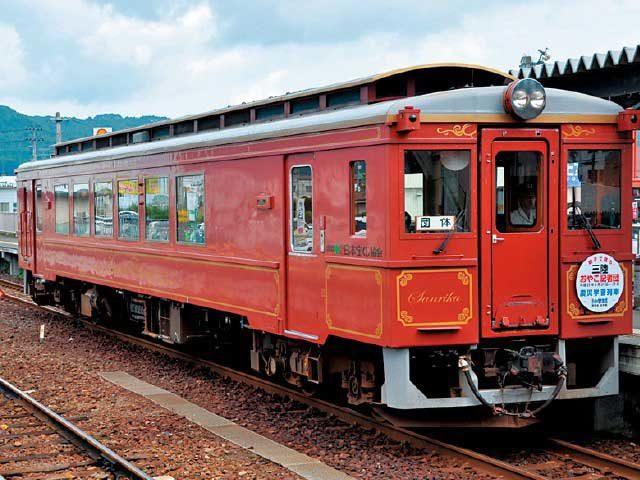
(386, 288)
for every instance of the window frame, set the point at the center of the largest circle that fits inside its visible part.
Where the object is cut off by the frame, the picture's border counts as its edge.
(292, 250)
(168, 240)
(93, 210)
(176, 225)
(117, 206)
(352, 199)
(55, 206)
(469, 145)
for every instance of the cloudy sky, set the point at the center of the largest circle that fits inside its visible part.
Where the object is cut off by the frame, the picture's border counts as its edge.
(174, 57)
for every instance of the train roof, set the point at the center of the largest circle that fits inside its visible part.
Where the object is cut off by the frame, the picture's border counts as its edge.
(483, 105)
(400, 83)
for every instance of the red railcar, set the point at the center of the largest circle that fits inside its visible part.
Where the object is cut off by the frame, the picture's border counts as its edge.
(425, 249)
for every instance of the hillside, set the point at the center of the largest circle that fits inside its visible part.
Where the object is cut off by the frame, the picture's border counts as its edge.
(15, 148)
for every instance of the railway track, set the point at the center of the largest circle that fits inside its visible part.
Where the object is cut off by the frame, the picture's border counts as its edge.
(36, 442)
(559, 451)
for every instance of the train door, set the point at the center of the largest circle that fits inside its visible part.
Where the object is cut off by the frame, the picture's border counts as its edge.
(304, 268)
(26, 204)
(519, 186)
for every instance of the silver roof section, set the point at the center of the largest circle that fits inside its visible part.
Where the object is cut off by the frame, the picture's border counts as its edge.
(574, 65)
(470, 101)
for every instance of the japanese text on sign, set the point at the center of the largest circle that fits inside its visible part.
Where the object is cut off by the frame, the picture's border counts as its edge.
(599, 283)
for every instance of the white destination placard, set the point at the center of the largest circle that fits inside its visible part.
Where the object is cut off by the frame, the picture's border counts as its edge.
(599, 283)
(436, 223)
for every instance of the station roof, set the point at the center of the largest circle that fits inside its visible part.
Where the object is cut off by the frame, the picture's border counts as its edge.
(401, 83)
(614, 75)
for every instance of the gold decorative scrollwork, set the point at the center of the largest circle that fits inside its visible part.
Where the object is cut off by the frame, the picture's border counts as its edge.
(405, 317)
(464, 315)
(404, 279)
(574, 311)
(378, 276)
(328, 321)
(465, 130)
(464, 278)
(621, 306)
(327, 273)
(378, 332)
(578, 131)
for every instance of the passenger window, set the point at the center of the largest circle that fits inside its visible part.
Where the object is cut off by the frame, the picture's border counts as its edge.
(81, 209)
(301, 209)
(38, 208)
(593, 188)
(358, 198)
(156, 207)
(518, 207)
(437, 186)
(190, 208)
(103, 208)
(61, 195)
(128, 210)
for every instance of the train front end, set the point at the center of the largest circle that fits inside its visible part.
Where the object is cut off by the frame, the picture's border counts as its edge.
(514, 241)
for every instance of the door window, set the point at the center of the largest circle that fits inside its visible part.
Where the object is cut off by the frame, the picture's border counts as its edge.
(436, 190)
(518, 206)
(301, 209)
(358, 175)
(39, 211)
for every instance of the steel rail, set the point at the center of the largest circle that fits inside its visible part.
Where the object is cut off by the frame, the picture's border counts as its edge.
(476, 459)
(117, 464)
(599, 460)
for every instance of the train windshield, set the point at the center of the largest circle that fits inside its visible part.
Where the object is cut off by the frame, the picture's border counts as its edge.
(436, 190)
(593, 188)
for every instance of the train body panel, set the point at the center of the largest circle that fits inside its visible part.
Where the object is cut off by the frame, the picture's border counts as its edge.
(390, 238)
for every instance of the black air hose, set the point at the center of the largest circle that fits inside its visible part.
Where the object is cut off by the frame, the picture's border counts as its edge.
(464, 364)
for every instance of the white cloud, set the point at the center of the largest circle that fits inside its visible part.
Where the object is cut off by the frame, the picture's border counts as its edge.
(12, 70)
(182, 66)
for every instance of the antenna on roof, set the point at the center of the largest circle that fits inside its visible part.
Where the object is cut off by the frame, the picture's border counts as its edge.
(527, 62)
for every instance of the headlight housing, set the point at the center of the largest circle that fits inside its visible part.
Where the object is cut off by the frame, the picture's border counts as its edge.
(525, 98)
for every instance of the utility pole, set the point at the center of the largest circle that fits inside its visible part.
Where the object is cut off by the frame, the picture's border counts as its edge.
(58, 127)
(34, 139)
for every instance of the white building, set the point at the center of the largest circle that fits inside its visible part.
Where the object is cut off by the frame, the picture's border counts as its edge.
(8, 196)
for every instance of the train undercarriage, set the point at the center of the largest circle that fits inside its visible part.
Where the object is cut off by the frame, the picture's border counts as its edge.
(494, 374)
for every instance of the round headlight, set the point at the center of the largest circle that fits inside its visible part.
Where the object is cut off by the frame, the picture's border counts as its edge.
(525, 98)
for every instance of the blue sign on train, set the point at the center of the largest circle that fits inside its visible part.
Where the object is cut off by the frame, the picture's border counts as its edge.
(573, 180)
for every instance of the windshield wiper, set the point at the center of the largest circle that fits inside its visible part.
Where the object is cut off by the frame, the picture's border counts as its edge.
(587, 227)
(443, 245)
